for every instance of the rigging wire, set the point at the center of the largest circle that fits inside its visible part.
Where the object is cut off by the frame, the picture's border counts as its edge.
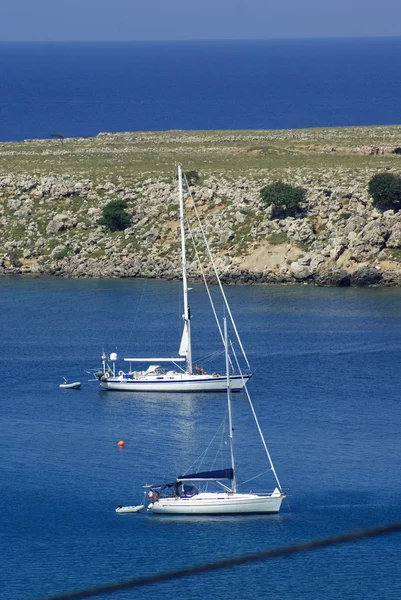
(210, 358)
(215, 272)
(255, 477)
(257, 422)
(217, 276)
(206, 285)
(198, 258)
(244, 559)
(201, 459)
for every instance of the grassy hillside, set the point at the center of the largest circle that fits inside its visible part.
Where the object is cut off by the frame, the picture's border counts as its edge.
(234, 153)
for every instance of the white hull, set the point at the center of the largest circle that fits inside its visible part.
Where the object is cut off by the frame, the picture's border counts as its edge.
(218, 504)
(129, 509)
(70, 386)
(178, 383)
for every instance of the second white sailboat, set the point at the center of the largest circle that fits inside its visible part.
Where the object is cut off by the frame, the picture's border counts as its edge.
(177, 378)
(184, 497)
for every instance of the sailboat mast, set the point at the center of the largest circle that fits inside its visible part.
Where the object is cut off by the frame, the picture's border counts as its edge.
(187, 315)
(230, 416)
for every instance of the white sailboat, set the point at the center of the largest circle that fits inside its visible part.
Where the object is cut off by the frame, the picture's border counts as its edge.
(184, 378)
(182, 497)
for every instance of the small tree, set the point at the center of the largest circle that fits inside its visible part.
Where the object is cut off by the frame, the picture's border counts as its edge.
(115, 218)
(192, 177)
(385, 189)
(58, 136)
(286, 200)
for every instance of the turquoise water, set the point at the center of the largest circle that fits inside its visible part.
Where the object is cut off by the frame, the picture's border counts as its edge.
(326, 390)
(81, 89)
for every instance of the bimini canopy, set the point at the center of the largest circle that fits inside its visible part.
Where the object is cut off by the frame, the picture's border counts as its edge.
(208, 475)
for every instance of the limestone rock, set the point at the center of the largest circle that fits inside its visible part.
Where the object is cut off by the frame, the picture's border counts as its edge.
(300, 271)
(61, 222)
(49, 225)
(366, 276)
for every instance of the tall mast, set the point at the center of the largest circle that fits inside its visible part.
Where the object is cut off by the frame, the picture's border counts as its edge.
(187, 315)
(230, 416)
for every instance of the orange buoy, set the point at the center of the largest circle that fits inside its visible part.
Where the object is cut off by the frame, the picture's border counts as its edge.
(120, 444)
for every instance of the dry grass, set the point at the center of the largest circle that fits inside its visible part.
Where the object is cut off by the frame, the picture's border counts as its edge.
(249, 154)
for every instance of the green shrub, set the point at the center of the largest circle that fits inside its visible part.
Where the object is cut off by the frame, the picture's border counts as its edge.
(58, 136)
(395, 254)
(385, 189)
(277, 237)
(62, 254)
(115, 218)
(286, 200)
(192, 177)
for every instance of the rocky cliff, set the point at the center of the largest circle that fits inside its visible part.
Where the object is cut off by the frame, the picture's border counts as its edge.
(52, 194)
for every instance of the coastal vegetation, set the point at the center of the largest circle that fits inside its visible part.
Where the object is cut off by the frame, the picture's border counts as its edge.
(114, 216)
(284, 199)
(277, 206)
(58, 136)
(385, 189)
(192, 177)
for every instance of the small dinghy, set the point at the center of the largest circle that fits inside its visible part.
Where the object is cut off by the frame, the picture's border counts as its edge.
(76, 385)
(129, 509)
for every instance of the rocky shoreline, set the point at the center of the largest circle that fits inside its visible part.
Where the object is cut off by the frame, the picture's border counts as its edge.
(49, 220)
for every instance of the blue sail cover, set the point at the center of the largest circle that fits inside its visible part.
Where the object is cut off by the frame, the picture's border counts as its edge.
(208, 475)
(163, 486)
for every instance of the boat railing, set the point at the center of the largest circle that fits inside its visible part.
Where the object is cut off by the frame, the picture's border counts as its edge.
(275, 492)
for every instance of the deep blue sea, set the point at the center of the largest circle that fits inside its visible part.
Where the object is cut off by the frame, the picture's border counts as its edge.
(326, 389)
(81, 89)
